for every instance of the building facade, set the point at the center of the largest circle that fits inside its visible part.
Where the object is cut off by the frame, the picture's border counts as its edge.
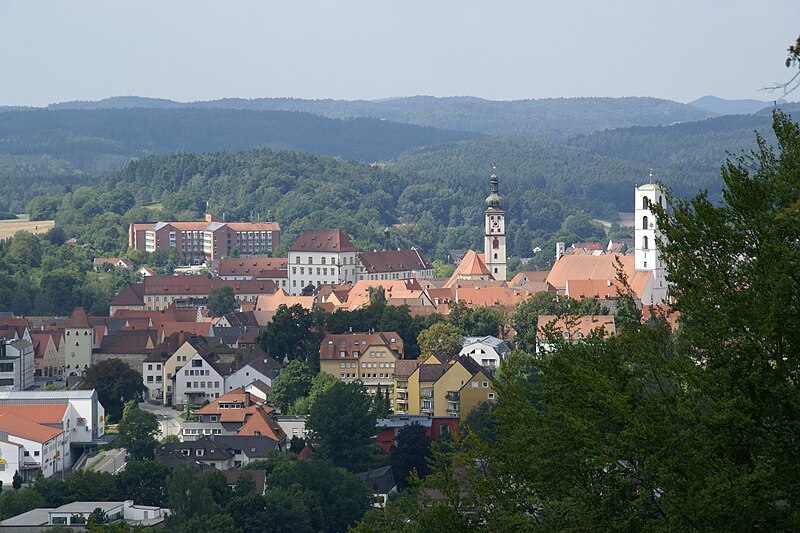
(321, 257)
(196, 242)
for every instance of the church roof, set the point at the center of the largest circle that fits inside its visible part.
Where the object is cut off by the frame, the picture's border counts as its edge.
(472, 266)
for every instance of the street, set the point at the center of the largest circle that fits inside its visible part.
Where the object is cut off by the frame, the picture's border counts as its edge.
(110, 461)
(169, 419)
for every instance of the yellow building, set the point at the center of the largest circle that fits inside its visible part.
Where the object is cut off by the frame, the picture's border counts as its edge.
(368, 357)
(442, 389)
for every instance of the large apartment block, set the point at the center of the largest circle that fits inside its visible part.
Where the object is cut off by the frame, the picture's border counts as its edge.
(209, 240)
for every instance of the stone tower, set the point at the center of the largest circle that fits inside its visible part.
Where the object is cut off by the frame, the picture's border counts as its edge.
(647, 255)
(495, 232)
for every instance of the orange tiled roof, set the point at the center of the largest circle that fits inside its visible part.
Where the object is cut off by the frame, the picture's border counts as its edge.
(597, 267)
(16, 425)
(268, 267)
(78, 319)
(271, 302)
(261, 424)
(39, 413)
(472, 266)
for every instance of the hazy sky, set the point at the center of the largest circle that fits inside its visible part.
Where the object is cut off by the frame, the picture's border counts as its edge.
(60, 50)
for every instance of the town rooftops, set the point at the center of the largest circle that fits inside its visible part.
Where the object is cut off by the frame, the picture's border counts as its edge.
(576, 327)
(394, 261)
(201, 285)
(323, 240)
(471, 266)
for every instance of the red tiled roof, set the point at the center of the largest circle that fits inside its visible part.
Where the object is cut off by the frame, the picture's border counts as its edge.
(472, 266)
(261, 424)
(78, 319)
(577, 326)
(394, 261)
(267, 267)
(201, 285)
(131, 294)
(323, 240)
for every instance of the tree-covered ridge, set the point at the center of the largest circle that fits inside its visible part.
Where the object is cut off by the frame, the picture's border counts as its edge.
(80, 137)
(303, 191)
(550, 118)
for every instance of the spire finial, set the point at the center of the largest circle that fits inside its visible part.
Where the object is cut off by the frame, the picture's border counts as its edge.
(651, 175)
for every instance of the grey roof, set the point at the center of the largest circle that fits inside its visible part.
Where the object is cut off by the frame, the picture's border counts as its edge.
(499, 345)
(47, 395)
(35, 517)
(159, 225)
(398, 421)
(379, 480)
(86, 507)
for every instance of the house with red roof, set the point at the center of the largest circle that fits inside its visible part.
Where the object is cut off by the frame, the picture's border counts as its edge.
(321, 257)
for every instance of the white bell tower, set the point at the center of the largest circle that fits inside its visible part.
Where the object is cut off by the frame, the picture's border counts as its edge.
(494, 242)
(647, 256)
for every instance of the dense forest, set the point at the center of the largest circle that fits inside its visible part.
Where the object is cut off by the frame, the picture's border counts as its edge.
(548, 118)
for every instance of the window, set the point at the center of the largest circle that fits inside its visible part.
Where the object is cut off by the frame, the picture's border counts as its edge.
(297, 260)
(323, 260)
(490, 396)
(645, 203)
(474, 384)
(149, 367)
(644, 222)
(645, 243)
(485, 384)
(197, 362)
(213, 418)
(198, 452)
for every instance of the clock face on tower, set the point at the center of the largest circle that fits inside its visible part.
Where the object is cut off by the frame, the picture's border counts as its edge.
(495, 224)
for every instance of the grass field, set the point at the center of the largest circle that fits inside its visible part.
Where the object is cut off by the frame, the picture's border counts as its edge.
(625, 219)
(9, 227)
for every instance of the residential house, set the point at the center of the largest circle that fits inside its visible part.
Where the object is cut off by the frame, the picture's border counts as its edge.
(48, 351)
(380, 481)
(160, 365)
(368, 357)
(112, 262)
(201, 378)
(487, 351)
(402, 371)
(221, 452)
(321, 257)
(254, 366)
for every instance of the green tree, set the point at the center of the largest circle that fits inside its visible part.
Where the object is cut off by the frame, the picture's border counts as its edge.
(442, 339)
(16, 480)
(137, 432)
(342, 424)
(335, 497)
(293, 333)
(116, 383)
(293, 382)
(442, 269)
(411, 452)
(189, 498)
(221, 301)
(144, 482)
(319, 384)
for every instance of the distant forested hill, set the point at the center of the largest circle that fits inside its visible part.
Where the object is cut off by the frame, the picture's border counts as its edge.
(598, 184)
(692, 152)
(549, 118)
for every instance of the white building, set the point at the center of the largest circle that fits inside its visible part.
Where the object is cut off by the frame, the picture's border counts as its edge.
(198, 380)
(646, 234)
(32, 447)
(263, 369)
(77, 514)
(321, 257)
(487, 351)
(16, 365)
(494, 238)
(85, 418)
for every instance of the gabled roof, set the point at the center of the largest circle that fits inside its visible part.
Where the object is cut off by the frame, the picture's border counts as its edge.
(498, 344)
(201, 285)
(323, 240)
(530, 275)
(128, 341)
(260, 424)
(78, 319)
(131, 294)
(170, 344)
(394, 261)
(259, 361)
(471, 267)
(431, 373)
(404, 368)
(582, 267)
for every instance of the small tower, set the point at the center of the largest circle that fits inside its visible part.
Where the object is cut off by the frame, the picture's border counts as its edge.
(78, 342)
(646, 254)
(494, 244)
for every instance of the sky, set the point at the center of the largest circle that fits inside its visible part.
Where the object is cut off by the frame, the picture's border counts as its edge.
(55, 51)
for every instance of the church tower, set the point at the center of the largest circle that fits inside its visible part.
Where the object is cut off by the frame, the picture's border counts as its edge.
(647, 256)
(494, 244)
